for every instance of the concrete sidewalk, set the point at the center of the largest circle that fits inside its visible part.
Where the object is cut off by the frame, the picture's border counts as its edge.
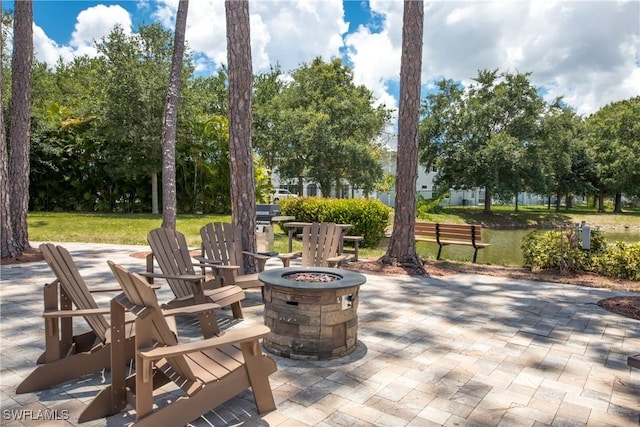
(458, 351)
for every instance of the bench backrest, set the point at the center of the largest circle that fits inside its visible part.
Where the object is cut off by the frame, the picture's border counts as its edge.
(449, 231)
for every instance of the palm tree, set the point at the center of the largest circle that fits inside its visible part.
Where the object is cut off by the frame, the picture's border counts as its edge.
(169, 123)
(402, 246)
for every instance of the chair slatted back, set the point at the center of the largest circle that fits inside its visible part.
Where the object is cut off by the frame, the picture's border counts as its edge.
(74, 286)
(319, 242)
(222, 241)
(142, 296)
(170, 249)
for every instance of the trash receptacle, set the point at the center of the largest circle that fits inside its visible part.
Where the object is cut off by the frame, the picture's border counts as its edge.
(264, 238)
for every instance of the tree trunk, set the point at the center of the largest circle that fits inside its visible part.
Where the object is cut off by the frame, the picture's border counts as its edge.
(243, 201)
(568, 201)
(154, 193)
(549, 202)
(402, 245)
(20, 123)
(601, 200)
(558, 201)
(618, 203)
(300, 186)
(516, 207)
(169, 125)
(487, 202)
(7, 248)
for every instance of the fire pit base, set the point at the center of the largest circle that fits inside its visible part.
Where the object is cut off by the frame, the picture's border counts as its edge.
(311, 320)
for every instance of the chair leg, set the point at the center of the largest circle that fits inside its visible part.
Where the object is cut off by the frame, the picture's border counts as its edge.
(258, 376)
(53, 373)
(236, 309)
(208, 324)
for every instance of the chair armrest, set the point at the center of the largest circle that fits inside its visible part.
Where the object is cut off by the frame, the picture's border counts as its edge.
(256, 256)
(290, 255)
(336, 260)
(207, 261)
(186, 277)
(227, 267)
(49, 314)
(97, 290)
(190, 309)
(286, 258)
(230, 337)
(260, 259)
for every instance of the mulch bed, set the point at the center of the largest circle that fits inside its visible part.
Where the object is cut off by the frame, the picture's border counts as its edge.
(30, 255)
(628, 306)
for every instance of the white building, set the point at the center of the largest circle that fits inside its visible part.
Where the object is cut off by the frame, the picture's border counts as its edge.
(425, 187)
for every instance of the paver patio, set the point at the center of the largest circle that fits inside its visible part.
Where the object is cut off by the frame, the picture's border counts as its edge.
(458, 350)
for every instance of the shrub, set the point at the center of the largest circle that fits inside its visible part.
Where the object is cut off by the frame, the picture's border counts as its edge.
(555, 249)
(560, 249)
(424, 207)
(621, 260)
(369, 217)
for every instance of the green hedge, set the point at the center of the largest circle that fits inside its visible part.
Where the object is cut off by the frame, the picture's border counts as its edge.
(369, 217)
(562, 250)
(621, 260)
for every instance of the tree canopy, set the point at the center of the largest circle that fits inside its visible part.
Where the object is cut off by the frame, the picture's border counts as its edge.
(613, 135)
(319, 107)
(482, 136)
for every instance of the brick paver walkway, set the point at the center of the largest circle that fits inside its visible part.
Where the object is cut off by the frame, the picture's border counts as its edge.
(458, 351)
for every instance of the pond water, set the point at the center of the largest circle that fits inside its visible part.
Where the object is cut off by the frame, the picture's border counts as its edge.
(505, 246)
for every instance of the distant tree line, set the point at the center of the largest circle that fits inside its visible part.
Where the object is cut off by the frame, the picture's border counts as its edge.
(96, 129)
(96, 133)
(500, 135)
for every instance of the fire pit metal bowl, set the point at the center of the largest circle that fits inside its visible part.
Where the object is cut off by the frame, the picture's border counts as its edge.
(312, 311)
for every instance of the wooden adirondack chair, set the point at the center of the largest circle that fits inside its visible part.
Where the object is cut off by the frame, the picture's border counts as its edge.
(320, 246)
(169, 248)
(68, 356)
(222, 249)
(209, 372)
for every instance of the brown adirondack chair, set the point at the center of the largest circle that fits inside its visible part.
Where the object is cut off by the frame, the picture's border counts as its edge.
(320, 246)
(169, 248)
(222, 249)
(209, 372)
(68, 356)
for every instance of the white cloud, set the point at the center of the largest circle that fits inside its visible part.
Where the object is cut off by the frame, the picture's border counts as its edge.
(586, 51)
(92, 24)
(284, 32)
(97, 22)
(47, 50)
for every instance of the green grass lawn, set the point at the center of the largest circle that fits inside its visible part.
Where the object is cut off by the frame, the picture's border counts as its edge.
(536, 216)
(132, 229)
(127, 229)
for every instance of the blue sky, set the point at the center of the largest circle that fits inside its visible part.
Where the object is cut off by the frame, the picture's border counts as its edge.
(586, 51)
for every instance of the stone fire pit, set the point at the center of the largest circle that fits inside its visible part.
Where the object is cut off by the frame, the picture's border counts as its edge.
(312, 311)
